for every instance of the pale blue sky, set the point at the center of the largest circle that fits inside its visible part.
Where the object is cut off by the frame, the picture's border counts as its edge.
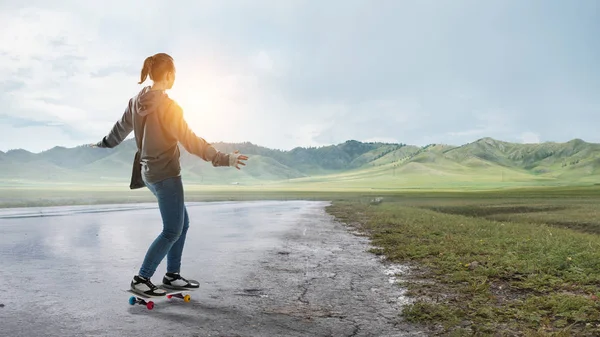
(306, 73)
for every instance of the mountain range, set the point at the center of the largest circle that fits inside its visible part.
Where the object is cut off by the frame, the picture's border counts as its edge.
(361, 164)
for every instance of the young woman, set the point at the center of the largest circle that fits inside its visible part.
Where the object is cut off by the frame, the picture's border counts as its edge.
(158, 125)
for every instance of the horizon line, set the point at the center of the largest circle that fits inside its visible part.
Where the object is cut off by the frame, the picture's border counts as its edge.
(322, 146)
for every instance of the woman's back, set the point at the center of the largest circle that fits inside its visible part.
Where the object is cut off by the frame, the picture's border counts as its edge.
(158, 125)
(153, 113)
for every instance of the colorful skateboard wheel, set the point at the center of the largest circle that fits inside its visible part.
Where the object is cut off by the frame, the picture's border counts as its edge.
(132, 300)
(150, 305)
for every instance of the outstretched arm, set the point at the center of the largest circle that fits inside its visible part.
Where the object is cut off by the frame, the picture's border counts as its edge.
(119, 131)
(179, 128)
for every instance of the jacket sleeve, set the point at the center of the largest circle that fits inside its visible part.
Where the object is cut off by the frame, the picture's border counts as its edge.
(119, 131)
(178, 127)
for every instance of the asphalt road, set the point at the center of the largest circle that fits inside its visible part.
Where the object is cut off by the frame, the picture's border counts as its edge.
(266, 268)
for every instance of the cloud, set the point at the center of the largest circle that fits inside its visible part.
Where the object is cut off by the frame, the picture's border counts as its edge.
(530, 138)
(34, 136)
(20, 122)
(263, 61)
(111, 70)
(372, 119)
(7, 86)
(285, 74)
(21, 125)
(472, 132)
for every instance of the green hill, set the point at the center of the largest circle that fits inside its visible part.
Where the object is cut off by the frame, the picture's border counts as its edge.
(545, 158)
(485, 162)
(20, 155)
(72, 158)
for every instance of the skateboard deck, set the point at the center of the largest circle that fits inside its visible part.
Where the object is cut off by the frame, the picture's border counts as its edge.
(148, 301)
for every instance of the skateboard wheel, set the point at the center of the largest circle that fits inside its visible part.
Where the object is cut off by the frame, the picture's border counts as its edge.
(132, 300)
(187, 298)
(169, 296)
(150, 305)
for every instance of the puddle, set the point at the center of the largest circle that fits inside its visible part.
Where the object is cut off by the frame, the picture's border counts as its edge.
(394, 272)
(403, 299)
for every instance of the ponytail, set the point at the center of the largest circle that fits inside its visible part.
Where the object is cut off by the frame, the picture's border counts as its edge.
(156, 67)
(146, 69)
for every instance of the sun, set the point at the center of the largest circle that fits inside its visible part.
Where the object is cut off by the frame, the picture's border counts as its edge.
(206, 109)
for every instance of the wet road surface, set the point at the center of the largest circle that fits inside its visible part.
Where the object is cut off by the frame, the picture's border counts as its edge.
(265, 268)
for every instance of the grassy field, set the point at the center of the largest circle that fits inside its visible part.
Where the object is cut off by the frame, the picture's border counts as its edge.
(491, 260)
(507, 263)
(61, 194)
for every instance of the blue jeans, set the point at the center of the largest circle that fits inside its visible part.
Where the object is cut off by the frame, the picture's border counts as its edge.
(169, 193)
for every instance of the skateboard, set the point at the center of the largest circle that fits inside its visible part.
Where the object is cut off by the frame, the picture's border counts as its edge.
(148, 301)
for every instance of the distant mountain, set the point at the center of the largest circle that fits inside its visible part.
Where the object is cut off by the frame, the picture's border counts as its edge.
(20, 155)
(536, 158)
(353, 162)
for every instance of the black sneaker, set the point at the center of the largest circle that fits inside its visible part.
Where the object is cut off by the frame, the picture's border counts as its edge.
(176, 281)
(144, 286)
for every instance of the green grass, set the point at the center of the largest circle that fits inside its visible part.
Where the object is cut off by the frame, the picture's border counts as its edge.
(29, 194)
(493, 265)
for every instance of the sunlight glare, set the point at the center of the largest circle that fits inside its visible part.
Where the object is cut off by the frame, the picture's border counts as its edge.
(205, 106)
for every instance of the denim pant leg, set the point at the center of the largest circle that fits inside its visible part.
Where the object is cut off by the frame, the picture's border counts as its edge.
(174, 255)
(169, 194)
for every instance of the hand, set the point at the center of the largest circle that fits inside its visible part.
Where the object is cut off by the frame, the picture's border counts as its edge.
(235, 159)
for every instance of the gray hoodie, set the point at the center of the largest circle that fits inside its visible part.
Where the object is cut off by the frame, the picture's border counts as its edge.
(161, 120)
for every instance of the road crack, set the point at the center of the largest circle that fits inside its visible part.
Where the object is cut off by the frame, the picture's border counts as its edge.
(302, 296)
(304, 286)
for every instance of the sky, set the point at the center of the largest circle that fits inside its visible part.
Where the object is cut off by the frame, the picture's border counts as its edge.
(283, 74)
